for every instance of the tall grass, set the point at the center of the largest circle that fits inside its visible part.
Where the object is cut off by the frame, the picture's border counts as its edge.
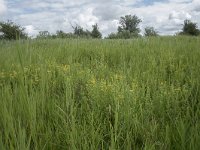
(100, 94)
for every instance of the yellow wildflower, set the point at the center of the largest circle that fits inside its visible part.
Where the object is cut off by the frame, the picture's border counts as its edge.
(118, 77)
(65, 68)
(177, 89)
(93, 81)
(131, 90)
(2, 75)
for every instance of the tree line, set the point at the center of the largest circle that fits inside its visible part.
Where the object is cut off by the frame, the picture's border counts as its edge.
(128, 28)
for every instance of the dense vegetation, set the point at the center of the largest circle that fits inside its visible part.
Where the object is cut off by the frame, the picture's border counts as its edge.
(11, 31)
(128, 29)
(100, 94)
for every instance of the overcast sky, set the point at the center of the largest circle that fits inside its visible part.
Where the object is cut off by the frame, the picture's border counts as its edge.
(166, 16)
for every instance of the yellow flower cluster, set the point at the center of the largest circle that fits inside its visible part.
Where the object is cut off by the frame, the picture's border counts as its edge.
(2, 75)
(93, 81)
(13, 74)
(118, 77)
(64, 67)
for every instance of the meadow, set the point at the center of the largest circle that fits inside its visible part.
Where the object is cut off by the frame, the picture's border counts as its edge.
(100, 94)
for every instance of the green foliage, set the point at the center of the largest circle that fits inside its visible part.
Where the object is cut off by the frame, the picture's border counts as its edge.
(112, 36)
(61, 34)
(11, 31)
(190, 28)
(44, 35)
(150, 31)
(129, 23)
(100, 94)
(95, 33)
(128, 28)
(80, 32)
(122, 35)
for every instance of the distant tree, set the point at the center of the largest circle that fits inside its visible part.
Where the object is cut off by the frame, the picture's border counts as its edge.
(80, 32)
(44, 34)
(126, 34)
(95, 32)
(60, 34)
(129, 23)
(150, 31)
(190, 28)
(128, 28)
(11, 31)
(112, 36)
(87, 34)
(122, 35)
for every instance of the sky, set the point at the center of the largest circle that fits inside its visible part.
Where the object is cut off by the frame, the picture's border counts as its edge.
(166, 16)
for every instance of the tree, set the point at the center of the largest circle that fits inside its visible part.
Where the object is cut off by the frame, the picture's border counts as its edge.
(44, 34)
(112, 36)
(190, 28)
(150, 31)
(95, 32)
(80, 32)
(11, 31)
(128, 28)
(61, 34)
(129, 23)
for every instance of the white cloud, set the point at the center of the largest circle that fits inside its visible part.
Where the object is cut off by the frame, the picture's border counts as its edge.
(179, 15)
(2, 7)
(180, 1)
(53, 15)
(168, 17)
(30, 29)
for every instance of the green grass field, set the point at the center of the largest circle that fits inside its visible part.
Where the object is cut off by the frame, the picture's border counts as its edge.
(100, 94)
